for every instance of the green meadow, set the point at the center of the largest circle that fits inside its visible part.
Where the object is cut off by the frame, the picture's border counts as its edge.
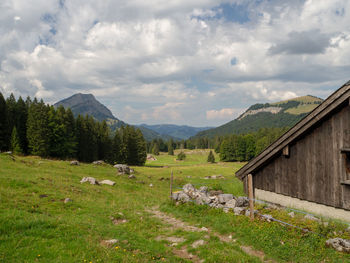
(36, 225)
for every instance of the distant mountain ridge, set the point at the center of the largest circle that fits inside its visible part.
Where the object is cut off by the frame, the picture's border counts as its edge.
(279, 114)
(87, 104)
(178, 131)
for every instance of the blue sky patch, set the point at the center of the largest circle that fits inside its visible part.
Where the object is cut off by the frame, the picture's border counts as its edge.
(233, 61)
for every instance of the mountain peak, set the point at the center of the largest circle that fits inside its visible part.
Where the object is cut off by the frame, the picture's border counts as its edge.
(86, 104)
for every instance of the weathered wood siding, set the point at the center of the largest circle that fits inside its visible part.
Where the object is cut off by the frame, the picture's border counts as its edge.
(315, 168)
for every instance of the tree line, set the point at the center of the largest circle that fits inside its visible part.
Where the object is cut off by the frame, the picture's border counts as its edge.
(234, 147)
(35, 128)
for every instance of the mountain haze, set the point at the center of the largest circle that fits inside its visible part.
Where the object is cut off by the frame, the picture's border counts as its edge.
(178, 131)
(279, 114)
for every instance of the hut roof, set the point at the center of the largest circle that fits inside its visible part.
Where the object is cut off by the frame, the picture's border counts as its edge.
(338, 98)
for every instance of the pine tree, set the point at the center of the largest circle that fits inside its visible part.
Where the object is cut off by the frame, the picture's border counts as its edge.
(70, 133)
(15, 142)
(141, 148)
(155, 149)
(181, 156)
(3, 124)
(104, 141)
(170, 148)
(21, 124)
(211, 157)
(37, 129)
(116, 149)
(11, 116)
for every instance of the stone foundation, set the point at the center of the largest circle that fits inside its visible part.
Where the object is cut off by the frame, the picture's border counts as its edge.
(314, 208)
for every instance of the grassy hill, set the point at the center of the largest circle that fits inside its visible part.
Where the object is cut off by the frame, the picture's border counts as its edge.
(37, 226)
(279, 114)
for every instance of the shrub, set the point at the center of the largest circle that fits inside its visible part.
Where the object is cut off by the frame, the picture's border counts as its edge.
(181, 156)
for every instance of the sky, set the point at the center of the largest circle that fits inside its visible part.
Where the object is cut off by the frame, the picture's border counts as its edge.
(197, 62)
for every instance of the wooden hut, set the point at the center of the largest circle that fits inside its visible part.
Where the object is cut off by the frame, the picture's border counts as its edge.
(309, 166)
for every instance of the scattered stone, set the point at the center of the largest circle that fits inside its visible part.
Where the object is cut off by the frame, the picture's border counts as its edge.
(204, 229)
(242, 201)
(198, 243)
(99, 162)
(171, 239)
(109, 243)
(226, 210)
(131, 176)
(150, 185)
(161, 179)
(231, 204)
(215, 192)
(203, 189)
(91, 180)
(67, 200)
(339, 244)
(268, 218)
(151, 157)
(140, 182)
(122, 168)
(119, 221)
(223, 198)
(291, 214)
(42, 196)
(311, 217)
(74, 163)
(188, 189)
(108, 182)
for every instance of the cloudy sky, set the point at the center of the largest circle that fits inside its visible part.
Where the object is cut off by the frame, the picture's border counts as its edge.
(194, 62)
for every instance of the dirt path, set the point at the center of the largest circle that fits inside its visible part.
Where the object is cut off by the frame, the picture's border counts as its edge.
(182, 253)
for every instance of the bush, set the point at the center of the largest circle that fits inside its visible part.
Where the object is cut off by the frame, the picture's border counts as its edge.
(181, 156)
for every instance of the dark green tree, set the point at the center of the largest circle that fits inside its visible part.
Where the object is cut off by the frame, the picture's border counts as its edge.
(21, 124)
(116, 149)
(170, 148)
(15, 142)
(11, 116)
(155, 149)
(3, 124)
(181, 156)
(211, 157)
(37, 129)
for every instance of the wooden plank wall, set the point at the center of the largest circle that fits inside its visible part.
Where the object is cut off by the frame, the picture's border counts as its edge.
(315, 167)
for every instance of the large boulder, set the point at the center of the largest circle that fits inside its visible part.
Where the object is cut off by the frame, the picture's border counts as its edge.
(183, 197)
(223, 198)
(122, 168)
(203, 199)
(238, 210)
(74, 163)
(108, 182)
(188, 188)
(90, 180)
(339, 244)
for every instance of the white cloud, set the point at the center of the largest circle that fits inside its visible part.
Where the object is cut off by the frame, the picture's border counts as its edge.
(224, 114)
(151, 56)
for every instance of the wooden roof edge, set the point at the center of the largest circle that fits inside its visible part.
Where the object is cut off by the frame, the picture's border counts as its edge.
(333, 101)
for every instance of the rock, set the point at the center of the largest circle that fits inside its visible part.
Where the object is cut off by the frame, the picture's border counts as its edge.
(339, 244)
(203, 189)
(188, 189)
(122, 168)
(91, 180)
(183, 197)
(311, 217)
(132, 170)
(215, 192)
(175, 196)
(108, 182)
(223, 198)
(242, 201)
(150, 185)
(151, 157)
(268, 218)
(99, 162)
(131, 176)
(198, 243)
(204, 229)
(348, 229)
(109, 243)
(291, 214)
(238, 210)
(67, 200)
(74, 163)
(226, 210)
(203, 199)
(231, 204)
(140, 182)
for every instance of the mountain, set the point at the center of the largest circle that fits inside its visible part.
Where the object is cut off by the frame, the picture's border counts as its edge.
(87, 104)
(182, 132)
(279, 114)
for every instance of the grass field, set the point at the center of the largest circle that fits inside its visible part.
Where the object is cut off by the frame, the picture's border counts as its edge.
(37, 226)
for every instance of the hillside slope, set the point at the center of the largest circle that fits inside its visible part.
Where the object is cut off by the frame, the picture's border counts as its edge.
(278, 114)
